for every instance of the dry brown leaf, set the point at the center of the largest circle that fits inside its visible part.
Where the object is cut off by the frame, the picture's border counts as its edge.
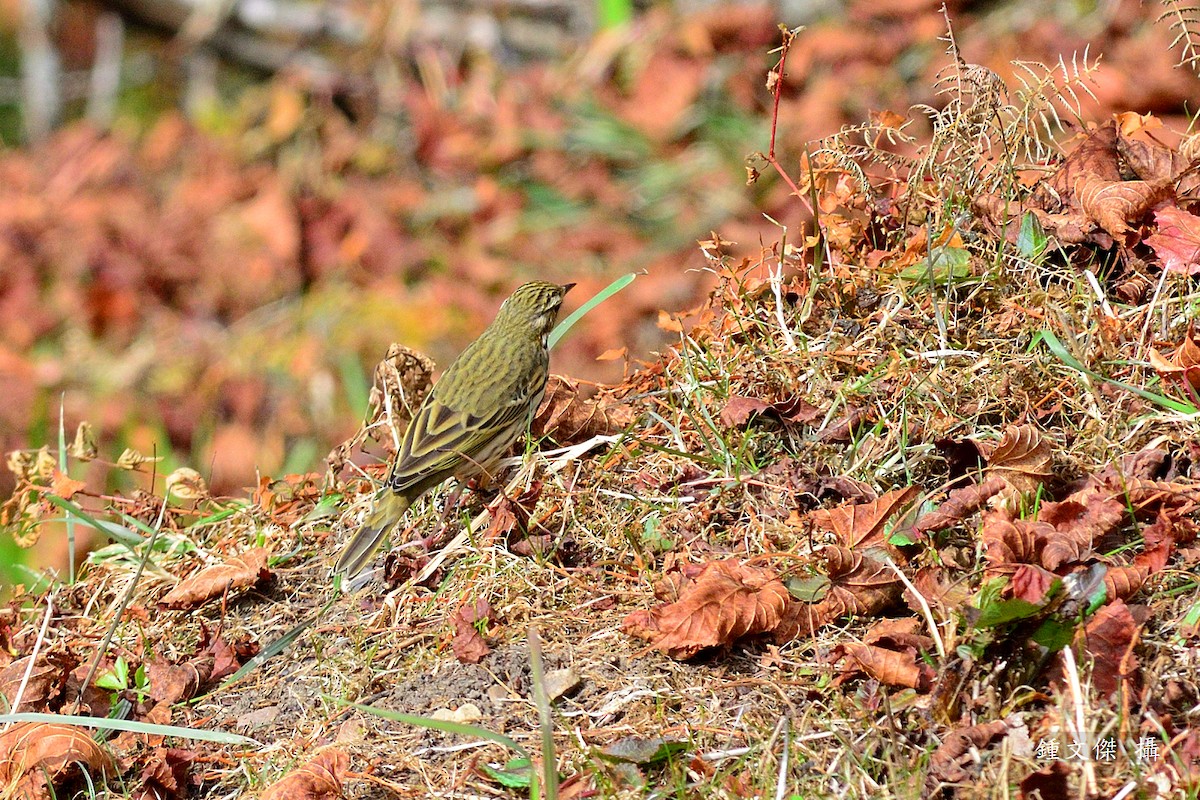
(1095, 156)
(938, 589)
(319, 779)
(1023, 458)
(953, 760)
(862, 525)
(739, 409)
(724, 602)
(35, 756)
(1184, 363)
(1010, 542)
(568, 417)
(859, 584)
(236, 573)
(166, 774)
(1115, 204)
(1109, 638)
(45, 681)
(1079, 521)
(1049, 783)
(65, 486)
(889, 667)
(1124, 582)
(469, 645)
(960, 504)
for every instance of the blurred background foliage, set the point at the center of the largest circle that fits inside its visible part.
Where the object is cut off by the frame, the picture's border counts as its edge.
(215, 215)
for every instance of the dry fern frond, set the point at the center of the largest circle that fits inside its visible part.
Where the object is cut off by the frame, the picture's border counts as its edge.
(1185, 22)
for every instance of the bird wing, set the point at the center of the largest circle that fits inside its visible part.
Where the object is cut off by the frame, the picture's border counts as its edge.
(441, 441)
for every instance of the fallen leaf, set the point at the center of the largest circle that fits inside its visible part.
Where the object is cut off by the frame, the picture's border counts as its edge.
(1023, 458)
(1109, 638)
(36, 756)
(953, 761)
(214, 581)
(738, 410)
(889, 667)
(863, 525)
(568, 417)
(469, 645)
(1184, 363)
(318, 779)
(722, 603)
(166, 774)
(1048, 783)
(1177, 241)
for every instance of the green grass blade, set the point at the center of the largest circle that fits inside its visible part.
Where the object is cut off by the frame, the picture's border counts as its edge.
(1060, 352)
(611, 13)
(608, 291)
(104, 723)
(445, 726)
(118, 533)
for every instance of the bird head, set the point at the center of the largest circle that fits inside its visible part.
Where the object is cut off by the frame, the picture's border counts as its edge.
(533, 307)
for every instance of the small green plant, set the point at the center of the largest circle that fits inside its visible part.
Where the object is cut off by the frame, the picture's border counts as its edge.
(117, 681)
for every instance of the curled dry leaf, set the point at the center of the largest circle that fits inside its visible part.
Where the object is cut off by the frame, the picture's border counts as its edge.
(186, 484)
(862, 525)
(953, 761)
(1184, 363)
(960, 504)
(45, 681)
(858, 584)
(739, 409)
(568, 417)
(1078, 522)
(65, 486)
(1023, 458)
(35, 756)
(1115, 204)
(1048, 783)
(237, 573)
(1124, 582)
(889, 667)
(724, 602)
(469, 645)
(319, 779)
(1009, 542)
(165, 774)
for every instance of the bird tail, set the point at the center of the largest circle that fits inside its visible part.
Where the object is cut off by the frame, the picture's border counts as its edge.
(389, 508)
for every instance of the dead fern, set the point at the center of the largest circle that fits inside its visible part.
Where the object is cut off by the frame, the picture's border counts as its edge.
(981, 135)
(1185, 23)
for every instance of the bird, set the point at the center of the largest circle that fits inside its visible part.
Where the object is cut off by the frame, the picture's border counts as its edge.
(479, 408)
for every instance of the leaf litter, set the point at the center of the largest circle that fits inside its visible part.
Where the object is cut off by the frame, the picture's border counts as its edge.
(809, 551)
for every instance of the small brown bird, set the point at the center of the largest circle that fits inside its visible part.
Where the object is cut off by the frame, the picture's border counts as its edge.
(472, 416)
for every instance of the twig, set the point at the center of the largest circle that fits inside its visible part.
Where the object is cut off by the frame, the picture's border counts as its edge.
(106, 71)
(41, 70)
(32, 658)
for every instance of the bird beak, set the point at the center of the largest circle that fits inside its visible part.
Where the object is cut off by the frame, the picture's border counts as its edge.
(567, 287)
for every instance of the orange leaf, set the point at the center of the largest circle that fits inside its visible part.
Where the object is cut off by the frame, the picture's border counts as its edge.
(862, 525)
(319, 779)
(65, 486)
(236, 573)
(724, 602)
(33, 752)
(1023, 458)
